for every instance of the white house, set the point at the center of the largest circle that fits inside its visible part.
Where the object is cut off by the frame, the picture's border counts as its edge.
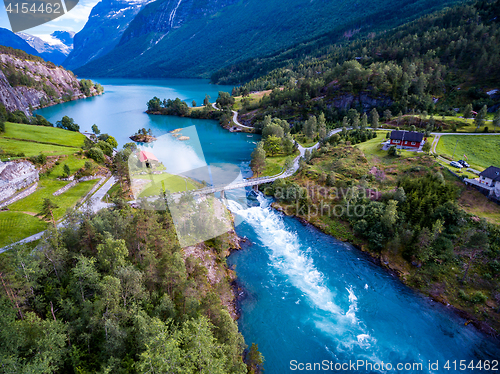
(490, 177)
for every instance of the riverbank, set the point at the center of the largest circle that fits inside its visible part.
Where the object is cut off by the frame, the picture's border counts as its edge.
(396, 269)
(446, 271)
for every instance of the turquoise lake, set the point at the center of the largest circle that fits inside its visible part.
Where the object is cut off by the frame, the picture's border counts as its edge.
(308, 298)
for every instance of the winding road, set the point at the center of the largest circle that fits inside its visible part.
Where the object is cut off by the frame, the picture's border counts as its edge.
(95, 202)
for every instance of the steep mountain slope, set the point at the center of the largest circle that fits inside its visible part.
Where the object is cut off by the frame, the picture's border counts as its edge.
(434, 65)
(65, 37)
(197, 37)
(28, 81)
(9, 39)
(51, 48)
(107, 22)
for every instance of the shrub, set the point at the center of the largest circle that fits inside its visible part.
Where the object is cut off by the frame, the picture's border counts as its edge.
(41, 159)
(96, 154)
(392, 151)
(105, 147)
(478, 298)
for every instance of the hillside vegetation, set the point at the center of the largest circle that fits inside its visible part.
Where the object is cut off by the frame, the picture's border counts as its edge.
(201, 37)
(435, 64)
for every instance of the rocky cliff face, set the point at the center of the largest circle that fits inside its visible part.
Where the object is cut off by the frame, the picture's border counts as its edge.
(29, 82)
(163, 16)
(365, 100)
(102, 32)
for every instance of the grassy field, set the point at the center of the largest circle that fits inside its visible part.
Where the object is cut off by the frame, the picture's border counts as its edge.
(43, 134)
(474, 202)
(46, 187)
(373, 149)
(303, 140)
(172, 183)
(15, 226)
(274, 165)
(252, 99)
(33, 149)
(481, 151)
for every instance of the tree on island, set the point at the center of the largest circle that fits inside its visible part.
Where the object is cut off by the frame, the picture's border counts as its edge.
(258, 162)
(193, 103)
(224, 100)
(95, 129)
(154, 104)
(206, 100)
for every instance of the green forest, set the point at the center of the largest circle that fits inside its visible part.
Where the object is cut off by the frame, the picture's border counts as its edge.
(113, 292)
(436, 64)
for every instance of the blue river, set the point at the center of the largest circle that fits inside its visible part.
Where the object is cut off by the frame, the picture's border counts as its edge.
(308, 298)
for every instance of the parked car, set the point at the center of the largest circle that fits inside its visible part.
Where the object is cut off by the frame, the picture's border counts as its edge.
(456, 164)
(463, 163)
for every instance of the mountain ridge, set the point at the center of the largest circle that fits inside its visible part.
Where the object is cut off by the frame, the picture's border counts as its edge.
(103, 30)
(198, 44)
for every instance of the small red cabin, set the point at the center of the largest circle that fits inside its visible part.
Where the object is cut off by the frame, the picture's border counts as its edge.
(407, 139)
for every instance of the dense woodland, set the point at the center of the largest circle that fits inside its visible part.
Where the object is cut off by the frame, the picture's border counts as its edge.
(435, 64)
(113, 292)
(411, 221)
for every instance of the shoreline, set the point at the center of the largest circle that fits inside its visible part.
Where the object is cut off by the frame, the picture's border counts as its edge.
(482, 326)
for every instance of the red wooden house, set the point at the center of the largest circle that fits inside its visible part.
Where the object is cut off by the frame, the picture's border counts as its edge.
(407, 139)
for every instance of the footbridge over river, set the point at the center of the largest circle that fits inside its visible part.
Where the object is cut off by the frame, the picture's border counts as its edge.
(241, 184)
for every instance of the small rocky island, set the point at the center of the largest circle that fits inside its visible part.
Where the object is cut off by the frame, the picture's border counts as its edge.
(143, 136)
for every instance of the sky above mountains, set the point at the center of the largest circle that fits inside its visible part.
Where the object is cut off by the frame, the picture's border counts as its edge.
(74, 20)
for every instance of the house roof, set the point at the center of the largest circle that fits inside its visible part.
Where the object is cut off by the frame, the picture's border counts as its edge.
(411, 136)
(145, 155)
(492, 172)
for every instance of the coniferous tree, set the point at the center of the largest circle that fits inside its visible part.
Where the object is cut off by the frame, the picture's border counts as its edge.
(310, 127)
(374, 118)
(468, 111)
(48, 208)
(480, 117)
(206, 101)
(496, 119)
(321, 126)
(364, 121)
